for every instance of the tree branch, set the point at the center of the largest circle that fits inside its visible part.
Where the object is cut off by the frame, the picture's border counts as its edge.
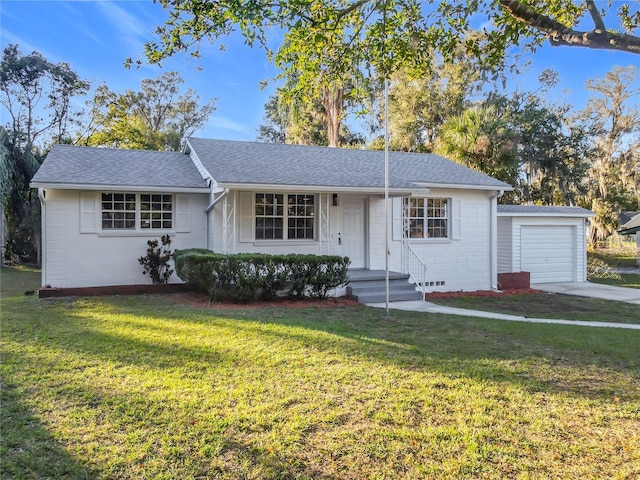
(559, 34)
(598, 23)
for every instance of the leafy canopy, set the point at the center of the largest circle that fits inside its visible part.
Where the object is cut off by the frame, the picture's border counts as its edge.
(389, 34)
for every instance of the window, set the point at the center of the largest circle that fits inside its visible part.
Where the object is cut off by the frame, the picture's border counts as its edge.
(156, 211)
(426, 217)
(301, 218)
(269, 216)
(132, 211)
(118, 211)
(272, 216)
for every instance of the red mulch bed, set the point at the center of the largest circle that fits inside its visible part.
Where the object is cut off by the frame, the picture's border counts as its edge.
(481, 293)
(200, 300)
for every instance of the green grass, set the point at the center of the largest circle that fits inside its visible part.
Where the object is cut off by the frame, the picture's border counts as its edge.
(617, 256)
(623, 255)
(148, 388)
(628, 280)
(549, 305)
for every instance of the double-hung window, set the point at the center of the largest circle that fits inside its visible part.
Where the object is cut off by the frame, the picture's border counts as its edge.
(137, 211)
(426, 217)
(282, 216)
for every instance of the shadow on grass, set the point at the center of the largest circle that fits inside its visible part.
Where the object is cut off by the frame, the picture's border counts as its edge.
(165, 339)
(27, 450)
(459, 347)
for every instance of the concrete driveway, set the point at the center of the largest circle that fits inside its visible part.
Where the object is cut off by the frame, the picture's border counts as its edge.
(595, 290)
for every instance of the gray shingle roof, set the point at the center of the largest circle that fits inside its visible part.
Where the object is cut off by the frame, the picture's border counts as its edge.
(234, 162)
(544, 210)
(630, 219)
(87, 166)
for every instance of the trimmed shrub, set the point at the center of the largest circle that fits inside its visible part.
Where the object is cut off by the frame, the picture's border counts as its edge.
(252, 276)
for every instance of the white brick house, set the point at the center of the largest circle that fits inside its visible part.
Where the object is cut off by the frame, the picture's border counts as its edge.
(100, 206)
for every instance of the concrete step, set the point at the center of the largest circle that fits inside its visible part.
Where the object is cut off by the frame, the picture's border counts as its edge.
(369, 286)
(375, 275)
(380, 296)
(376, 285)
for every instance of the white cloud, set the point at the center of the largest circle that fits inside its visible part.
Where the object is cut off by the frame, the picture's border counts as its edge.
(131, 30)
(222, 122)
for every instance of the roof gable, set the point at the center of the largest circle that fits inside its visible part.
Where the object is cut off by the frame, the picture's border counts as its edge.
(91, 167)
(254, 163)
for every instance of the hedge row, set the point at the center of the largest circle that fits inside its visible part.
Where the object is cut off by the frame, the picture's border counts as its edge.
(253, 276)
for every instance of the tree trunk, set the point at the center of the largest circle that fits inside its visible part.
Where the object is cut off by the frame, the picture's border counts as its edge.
(332, 101)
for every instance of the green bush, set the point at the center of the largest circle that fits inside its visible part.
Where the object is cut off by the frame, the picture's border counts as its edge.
(252, 276)
(156, 262)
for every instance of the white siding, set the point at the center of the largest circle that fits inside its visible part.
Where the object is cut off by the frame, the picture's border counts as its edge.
(505, 245)
(463, 262)
(77, 259)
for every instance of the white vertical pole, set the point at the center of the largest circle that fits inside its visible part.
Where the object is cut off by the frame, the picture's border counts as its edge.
(386, 192)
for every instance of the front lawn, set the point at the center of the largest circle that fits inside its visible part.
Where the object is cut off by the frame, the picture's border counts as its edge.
(153, 388)
(547, 305)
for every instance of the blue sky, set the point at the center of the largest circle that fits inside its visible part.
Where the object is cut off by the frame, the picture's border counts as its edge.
(95, 37)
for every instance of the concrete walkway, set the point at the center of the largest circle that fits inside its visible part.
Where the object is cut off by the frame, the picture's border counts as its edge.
(585, 289)
(593, 290)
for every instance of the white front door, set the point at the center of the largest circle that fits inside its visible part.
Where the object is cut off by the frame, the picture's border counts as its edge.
(351, 236)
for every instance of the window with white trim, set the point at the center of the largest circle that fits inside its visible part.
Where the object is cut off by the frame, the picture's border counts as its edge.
(426, 217)
(136, 211)
(275, 222)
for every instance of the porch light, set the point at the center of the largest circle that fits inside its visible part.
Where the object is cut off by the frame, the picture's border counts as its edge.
(336, 200)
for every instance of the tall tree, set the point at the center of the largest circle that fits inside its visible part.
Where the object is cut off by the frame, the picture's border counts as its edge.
(157, 117)
(300, 121)
(37, 97)
(393, 34)
(480, 139)
(275, 122)
(552, 152)
(612, 119)
(421, 102)
(37, 94)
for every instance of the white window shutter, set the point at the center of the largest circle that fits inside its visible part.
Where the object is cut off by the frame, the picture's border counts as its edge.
(396, 216)
(246, 209)
(455, 220)
(183, 214)
(88, 212)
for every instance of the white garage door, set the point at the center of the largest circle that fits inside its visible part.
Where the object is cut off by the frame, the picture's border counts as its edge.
(548, 253)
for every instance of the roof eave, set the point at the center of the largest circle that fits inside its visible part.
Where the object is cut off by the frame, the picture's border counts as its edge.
(458, 186)
(121, 188)
(547, 214)
(310, 188)
(629, 231)
(354, 189)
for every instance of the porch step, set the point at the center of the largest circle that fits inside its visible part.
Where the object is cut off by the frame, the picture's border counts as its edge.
(369, 286)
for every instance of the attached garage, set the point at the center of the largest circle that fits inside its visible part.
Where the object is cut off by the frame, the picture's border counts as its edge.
(548, 242)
